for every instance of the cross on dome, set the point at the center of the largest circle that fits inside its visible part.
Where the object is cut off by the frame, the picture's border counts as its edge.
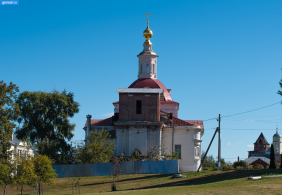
(147, 17)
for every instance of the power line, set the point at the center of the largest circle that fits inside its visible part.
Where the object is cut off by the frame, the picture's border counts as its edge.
(245, 129)
(242, 112)
(250, 110)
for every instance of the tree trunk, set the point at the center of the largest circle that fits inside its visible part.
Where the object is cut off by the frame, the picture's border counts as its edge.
(113, 185)
(22, 190)
(5, 189)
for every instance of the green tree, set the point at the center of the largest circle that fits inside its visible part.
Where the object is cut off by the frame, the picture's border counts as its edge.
(272, 158)
(43, 169)
(98, 148)
(240, 163)
(26, 173)
(9, 111)
(209, 161)
(7, 173)
(45, 118)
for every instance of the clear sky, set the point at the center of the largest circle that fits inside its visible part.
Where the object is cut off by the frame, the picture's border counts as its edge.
(218, 57)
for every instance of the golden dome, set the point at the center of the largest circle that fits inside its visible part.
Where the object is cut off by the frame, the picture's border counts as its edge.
(147, 34)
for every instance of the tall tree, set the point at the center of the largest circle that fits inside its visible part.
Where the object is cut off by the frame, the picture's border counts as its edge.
(25, 172)
(7, 171)
(43, 169)
(9, 111)
(272, 158)
(45, 118)
(98, 148)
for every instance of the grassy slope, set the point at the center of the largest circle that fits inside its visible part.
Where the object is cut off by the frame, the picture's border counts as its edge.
(209, 182)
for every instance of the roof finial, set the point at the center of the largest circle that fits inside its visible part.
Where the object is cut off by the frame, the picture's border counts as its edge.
(147, 18)
(147, 34)
(277, 129)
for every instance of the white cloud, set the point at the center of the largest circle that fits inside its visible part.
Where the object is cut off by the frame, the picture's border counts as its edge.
(250, 146)
(228, 144)
(109, 114)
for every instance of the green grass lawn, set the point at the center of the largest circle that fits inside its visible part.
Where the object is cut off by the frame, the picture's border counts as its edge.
(203, 183)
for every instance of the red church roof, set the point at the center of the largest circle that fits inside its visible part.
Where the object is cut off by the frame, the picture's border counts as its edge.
(151, 83)
(104, 122)
(179, 122)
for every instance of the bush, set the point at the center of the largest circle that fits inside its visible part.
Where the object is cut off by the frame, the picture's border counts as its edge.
(239, 168)
(175, 155)
(209, 168)
(267, 167)
(259, 166)
(241, 164)
(250, 167)
(229, 167)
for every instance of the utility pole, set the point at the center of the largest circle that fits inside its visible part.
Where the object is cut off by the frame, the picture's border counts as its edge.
(207, 150)
(219, 143)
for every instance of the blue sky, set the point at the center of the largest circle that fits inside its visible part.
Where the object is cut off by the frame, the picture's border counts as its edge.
(218, 57)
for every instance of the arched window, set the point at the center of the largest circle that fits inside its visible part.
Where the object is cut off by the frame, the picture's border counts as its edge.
(154, 69)
(141, 68)
(147, 69)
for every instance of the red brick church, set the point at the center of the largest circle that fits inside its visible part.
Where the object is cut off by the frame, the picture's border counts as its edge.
(260, 146)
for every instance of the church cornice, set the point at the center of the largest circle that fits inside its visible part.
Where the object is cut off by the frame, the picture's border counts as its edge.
(138, 125)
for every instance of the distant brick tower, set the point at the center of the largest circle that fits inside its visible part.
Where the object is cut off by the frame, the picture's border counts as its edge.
(260, 146)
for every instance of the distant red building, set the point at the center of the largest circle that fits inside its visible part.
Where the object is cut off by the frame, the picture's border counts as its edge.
(260, 146)
(258, 161)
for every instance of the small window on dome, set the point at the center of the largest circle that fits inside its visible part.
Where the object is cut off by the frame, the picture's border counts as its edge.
(141, 69)
(154, 69)
(147, 69)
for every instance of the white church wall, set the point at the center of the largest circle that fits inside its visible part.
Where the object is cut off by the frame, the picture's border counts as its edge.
(142, 139)
(138, 139)
(167, 140)
(122, 142)
(154, 139)
(186, 138)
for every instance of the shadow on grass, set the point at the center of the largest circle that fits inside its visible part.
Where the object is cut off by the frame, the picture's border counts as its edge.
(131, 179)
(212, 178)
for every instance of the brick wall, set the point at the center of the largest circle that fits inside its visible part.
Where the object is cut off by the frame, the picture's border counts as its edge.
(261, 145)
(150, 107)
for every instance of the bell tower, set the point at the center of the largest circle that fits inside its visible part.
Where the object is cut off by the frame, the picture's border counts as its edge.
(147, 65)
(277, 142)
